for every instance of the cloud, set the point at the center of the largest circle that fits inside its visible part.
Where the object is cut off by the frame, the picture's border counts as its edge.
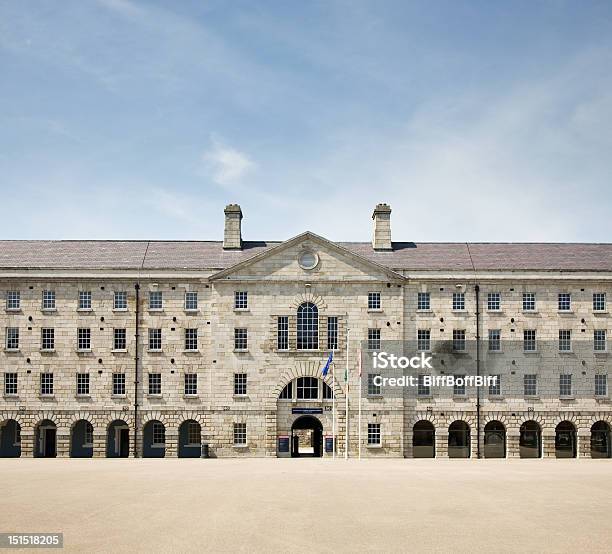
(226, 165)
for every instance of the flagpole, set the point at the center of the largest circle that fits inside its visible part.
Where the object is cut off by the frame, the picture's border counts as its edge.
(346, 381)
(359, 418)
(333, 411)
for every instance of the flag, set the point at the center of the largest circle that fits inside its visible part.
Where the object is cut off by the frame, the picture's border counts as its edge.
(329, 361)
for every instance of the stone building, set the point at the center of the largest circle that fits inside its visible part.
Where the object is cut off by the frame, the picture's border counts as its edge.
(152, 348)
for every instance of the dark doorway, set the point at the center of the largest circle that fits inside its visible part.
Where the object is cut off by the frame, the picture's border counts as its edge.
(190, 439)
(118, 440)
(124, 443)
(530, 441)
(46, 439)
(565, 440)
(600, 440)
(423, 440)
(10, 439)
(81, 441)
(307, 438)
(494, 440)
(459, 440)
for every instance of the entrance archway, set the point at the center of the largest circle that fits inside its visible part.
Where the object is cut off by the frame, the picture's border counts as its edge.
(423, 440)
(190, 439)
(494, 440)
(565, 440)
(600, 440)
(46, 439)
(154, 440)
(459, 440)
(530, 440)
(118, 439)
(306, 437)
(10, 439)
(81, 440)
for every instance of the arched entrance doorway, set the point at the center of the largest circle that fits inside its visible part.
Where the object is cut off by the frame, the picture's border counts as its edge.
(190, 439)
(600, 440)
(46, 439)
(459, 440)
(423, 440)
(494, 440)
(565, 440)
(81, 440)
(530, 440)
(10, 439)
(154, 440)
(118, 439)
(306, 437)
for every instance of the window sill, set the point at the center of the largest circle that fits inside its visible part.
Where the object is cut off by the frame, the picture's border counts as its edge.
(118, 395)
(85, 310)
(240, 396)
(240, 446)
(119, 351)
(374, 446)
(13, 310)
(120, 310)
(191, 396)
(495, 312)
(47, 350)
(47, 396)
(427, 397)
(156, 310)
(192, 310)
(496, 398)
(531, 397)
(459, 312)
(11, 396)
(150, 395)
(241, 310)
(11, 350)
(83, 350)
(241, 350)
(374, 396)
(375, 310)
(595, 312)
(424, 312)
(191, 351)
(565, 312)
(567, 397)
(601, 397)
(82, 396)
(495, 351)
(566, 352)
(154, 350)
(531, 352)
(48, 310)
(530, 312)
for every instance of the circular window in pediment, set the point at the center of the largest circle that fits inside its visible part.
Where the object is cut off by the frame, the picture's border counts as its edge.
(308, 260)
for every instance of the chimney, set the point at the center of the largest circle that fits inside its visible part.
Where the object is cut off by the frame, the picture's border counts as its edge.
(232, 236)
(381, 238)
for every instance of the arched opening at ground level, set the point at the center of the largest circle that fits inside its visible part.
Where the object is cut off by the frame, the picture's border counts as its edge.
(530, 440)
(306, 437)
(494, 440)
(10, 439)
(190, 439)
(565, 440)
(423, 440)
(118, 439)
(600, 440)
(154, 440)
(46, 439)
(459, 440)
(81, 439)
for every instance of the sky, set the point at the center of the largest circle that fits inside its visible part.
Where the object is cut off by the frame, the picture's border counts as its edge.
(475, 120)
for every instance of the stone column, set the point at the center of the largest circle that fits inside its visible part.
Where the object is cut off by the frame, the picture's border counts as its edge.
(583, 448)
(548, 444)
(172, 439)
(513, 445)
(442, 444)
(99, 445)
(27, 443)
(270, 445)
(63, 443)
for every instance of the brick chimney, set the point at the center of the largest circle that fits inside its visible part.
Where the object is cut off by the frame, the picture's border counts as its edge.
(232, 236)
(381, 237)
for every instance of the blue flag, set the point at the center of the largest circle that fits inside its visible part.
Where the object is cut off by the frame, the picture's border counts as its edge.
(329, 361)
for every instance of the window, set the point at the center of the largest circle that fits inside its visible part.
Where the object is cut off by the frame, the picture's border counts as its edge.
(458, 301)
(332, 333)
(155, 339)
(241, 300)
(84, 300)
(287, 392)
(12, 338)
(530, 385)
(374, 301)
(458, 340)
(374, 434)
(48, 338)
(191, 384)
(529, 301)
(282, 330)
(156, 300)
(118, 384)
(373, 389)
(155, 383)
(599, 340)
(424, 339)
(120, 300)
(599, 301)
(422, 388)
(240, 339)
(459, 385)
(240, 384)
(423, 301)
(565, 340)
(191, 301)
(307, 388)
(194, 435)
(529, 340)
(494, 340)
(13, 300)
(191, 339)
(565, 301)
(82, 384)
(159, 434)
(48, 300)
(240, 434)
(88, 434)
(84, 339)
(10, 384)
(495, 386)
(494, 301)
(328, 393)
(119, 339)
(601, 385)
(565, 384)
(373, 339)
(46, 383)
(308, 326)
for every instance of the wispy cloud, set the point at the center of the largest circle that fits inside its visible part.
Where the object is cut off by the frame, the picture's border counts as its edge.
(226, 165)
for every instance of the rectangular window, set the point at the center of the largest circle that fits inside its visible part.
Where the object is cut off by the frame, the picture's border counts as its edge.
(282, 333)
(191, 384)
(240, 339)
(48, 300)
(373, 389)
(565, 340)
(191, 301)
(422, 388)
(373, 339)
(458, 301)
(494, 340)
(565, 302)
(156, 300)
(529, 301)
(529, 340)
(599, 301)
(494, 301)
(374, 301)
(12, 338)
(565, 384)
(423, 301)
(13, 300)
(459, 340)
(424, 340)
(191, 339)
(241, 300)
(459, 385)
(118, 384)
(82, 384)
(10, 384)
(159, 434)
(240, 434)
(155, 339)
(332, 333)
(84, 339)
(601, 385)
(240, 384)
(155, 383)
(46, 383)
(307, 388)
(120, 300)
(495, 386)
(119, 339)
(374, 434)
(47, 338)
(530, 385)
(88, 435)
(599, 340)
(194, 435)
(84, 300)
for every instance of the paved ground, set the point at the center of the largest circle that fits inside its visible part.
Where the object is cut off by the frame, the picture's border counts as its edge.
(312, 505)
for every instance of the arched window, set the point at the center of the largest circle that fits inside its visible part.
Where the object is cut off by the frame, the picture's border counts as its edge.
(306, 388)
(307, 327)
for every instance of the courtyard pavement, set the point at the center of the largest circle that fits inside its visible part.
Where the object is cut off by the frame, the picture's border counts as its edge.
(285, 505)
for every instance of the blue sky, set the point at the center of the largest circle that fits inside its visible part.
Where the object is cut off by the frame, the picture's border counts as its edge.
(484, 121)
